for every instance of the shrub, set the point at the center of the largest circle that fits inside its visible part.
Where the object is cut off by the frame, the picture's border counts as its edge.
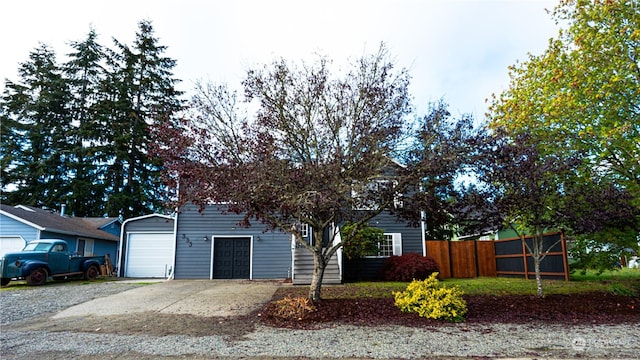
(431, 300)
(359, 240)
(409, 267)
(292, 308)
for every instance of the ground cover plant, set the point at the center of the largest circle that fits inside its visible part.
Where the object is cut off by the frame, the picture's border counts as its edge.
(611, 299)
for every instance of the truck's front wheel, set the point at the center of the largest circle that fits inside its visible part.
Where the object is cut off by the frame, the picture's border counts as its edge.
(91, 273)
(5, 281)
(37, 277)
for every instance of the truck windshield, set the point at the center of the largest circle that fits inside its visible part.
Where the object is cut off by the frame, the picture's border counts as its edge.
(37, 247)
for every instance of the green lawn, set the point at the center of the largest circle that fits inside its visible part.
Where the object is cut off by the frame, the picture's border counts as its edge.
(621, 282)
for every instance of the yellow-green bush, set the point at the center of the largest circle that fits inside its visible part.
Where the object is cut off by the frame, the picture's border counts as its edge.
(429, 299)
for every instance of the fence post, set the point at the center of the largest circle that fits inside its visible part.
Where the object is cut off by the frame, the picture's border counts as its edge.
(524, 256)
(564, 255)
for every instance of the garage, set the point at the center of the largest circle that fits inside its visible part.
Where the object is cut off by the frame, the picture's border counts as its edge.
(11, 244)
(149, 255)
(231, 257)
(147, 247)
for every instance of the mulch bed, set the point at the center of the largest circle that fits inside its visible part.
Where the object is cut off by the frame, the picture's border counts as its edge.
(585, 308)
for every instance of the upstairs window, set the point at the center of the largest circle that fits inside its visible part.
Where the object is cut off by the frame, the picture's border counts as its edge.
(367, 197)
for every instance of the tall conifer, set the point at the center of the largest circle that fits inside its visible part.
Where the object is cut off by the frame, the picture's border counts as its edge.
(36, 108)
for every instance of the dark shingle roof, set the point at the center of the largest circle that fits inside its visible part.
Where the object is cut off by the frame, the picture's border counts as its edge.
(50, 220)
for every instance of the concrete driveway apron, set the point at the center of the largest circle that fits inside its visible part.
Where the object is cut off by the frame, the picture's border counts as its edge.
(205, 298)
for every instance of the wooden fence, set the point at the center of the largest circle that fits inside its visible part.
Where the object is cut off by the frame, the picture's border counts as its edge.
(505, 257)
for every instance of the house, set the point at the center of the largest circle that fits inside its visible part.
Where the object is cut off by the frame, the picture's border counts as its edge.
(207, 244)
(85, 236)
(210, 245)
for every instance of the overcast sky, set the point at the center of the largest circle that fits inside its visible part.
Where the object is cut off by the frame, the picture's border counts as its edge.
(456, 50)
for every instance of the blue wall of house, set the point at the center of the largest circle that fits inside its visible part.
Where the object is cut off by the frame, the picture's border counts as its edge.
(70, 239)
(103, 247)
(12, 227)
(112, 228)
(100, 247)
(270, 255)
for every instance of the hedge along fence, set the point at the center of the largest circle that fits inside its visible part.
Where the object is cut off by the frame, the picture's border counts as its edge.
(505, 257)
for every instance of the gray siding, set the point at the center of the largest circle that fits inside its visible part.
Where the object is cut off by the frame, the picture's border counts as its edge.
(149, 224)
(271, 251)
(411, 236)
(367, 269)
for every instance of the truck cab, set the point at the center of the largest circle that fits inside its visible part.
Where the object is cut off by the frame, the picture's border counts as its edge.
(46, 258)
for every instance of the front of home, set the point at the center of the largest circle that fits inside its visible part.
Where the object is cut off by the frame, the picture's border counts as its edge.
(207, 244)
(85, 236)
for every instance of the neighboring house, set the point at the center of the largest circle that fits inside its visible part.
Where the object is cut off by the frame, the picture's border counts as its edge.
(85, 236)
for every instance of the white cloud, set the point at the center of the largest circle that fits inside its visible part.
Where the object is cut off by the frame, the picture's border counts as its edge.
(458, 50)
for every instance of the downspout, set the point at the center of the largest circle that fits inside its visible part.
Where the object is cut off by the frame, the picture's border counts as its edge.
(119, 263)
(293, 257)
(423, 226)
(175, 244)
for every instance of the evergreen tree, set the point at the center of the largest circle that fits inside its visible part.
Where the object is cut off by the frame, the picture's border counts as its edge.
(144, 96)
(81, 133)
(84, 72)
(37, 119)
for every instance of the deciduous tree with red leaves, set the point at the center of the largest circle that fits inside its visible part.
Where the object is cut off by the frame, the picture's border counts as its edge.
(304, 146)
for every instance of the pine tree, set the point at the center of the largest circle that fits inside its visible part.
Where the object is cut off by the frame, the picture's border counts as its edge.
(84, 72)
(37, 121)
(144, 96)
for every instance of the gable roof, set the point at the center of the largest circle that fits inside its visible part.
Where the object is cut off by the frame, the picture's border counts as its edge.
(100, 222)
(52, 221)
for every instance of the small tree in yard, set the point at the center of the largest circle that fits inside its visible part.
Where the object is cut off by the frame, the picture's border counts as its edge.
(309, 154)
(533, 191)
(528, 189)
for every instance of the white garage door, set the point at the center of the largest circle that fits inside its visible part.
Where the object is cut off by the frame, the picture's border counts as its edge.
(149, 255)
(11, 244)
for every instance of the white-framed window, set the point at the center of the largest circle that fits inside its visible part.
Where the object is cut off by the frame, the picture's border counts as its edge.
(304, 230)
(389, 244)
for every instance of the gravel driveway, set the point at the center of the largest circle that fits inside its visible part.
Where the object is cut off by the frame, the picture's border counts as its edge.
(45, 323)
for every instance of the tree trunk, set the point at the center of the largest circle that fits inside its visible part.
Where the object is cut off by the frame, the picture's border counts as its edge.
(318, 273)
(536, 262)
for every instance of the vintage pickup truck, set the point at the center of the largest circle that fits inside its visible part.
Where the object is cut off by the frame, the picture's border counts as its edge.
(46, 258)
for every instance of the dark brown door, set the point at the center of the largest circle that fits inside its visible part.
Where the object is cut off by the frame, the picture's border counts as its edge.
(231, 258)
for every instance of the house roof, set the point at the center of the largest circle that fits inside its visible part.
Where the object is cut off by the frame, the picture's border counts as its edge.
(52, 221)
(100, 222)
